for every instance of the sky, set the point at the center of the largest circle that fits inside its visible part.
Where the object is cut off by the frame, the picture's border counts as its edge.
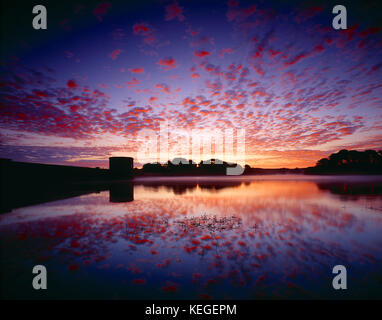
(84, 89)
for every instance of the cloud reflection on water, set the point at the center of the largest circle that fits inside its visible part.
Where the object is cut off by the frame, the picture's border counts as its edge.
(243, 239)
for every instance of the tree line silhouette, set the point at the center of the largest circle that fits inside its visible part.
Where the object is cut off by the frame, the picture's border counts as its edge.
(342, 162)
(349, 161)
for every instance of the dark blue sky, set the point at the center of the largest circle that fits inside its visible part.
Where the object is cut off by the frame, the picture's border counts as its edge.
(82, 90)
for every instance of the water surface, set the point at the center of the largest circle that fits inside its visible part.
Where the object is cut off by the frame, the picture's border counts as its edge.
(187, 238)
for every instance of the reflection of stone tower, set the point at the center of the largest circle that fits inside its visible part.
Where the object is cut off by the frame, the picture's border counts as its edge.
(121, 167)
(121, 192)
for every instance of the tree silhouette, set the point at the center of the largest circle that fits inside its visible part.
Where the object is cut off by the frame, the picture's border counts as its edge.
(350, 161)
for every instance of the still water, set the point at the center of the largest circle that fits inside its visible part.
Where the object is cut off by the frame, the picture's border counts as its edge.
(200, 238)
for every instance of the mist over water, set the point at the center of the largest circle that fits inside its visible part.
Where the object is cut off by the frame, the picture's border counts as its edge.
(201, 237)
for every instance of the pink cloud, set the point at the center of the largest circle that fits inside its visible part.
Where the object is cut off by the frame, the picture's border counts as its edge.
(137, 70)
(307, 13)
(167, 63)
(303, 55)
(174, 11)
(149, 39)
(371, 30)
(115, 54)
(202, 53)
(132, 83)
(153, 99)
(101, 10)
(145, 31)
(141, 29)
(163, 87)
(224, 51)
(237, 14)
(71, 84)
